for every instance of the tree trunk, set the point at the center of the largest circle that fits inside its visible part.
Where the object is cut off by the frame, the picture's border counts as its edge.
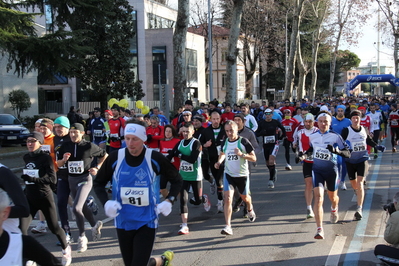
(303, 71)
(231, 72)
(333, 64)
(179, 54)
(290, 74)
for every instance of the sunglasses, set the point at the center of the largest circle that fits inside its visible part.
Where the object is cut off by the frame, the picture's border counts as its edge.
(268, 113)
(186, 115)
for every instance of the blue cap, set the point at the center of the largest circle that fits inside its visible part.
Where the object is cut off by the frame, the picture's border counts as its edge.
(341, 106)
(63, 121)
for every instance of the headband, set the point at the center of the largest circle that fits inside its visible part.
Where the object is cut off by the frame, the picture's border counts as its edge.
(309, 116)
(136, 130)
(326, 115)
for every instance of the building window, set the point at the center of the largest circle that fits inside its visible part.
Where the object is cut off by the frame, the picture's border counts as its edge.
(241, 81)
(192, 68)
(224, 55)
(157, 22)
(224, 76)
(158, 69)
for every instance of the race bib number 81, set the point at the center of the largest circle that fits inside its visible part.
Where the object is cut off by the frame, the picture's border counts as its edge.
(137, 196)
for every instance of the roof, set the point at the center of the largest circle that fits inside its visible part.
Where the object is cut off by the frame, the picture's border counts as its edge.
(217, 31)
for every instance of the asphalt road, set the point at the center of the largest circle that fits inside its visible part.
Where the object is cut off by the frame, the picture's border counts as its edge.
(281, 234)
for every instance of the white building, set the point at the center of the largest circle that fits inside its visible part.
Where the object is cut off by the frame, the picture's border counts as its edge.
(152, 49)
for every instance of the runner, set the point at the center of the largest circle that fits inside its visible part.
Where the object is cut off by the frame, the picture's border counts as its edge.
(325, 147)
(236, 151)
(166, 146)
(377, 119)
(188, 150)
(14, 247)
(77, 155)
(268, 130)
(338, 123)
(211, 140)
(358, 138)
(136, 218)
(393, 122)
(301, 144)
(38, 174)
(290, 124)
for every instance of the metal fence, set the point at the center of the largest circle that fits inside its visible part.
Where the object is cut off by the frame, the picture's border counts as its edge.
(86, 107)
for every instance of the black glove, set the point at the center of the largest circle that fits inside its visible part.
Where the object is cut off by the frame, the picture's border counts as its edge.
(113, 138)
(177, 153)
(331, 149)
(149, 138)
(121, 137)
(27, 178)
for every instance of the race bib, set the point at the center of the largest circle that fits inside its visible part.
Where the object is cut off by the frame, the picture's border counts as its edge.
(46, 148)
(31, 173)
(358, 146)
(75, 167)
(115, 135)
(186, 166)
(288, 128)
(231, 156)
(97, 133)
(322, 154)
(137, 196)
(394, 122)
(375, 122)
(269, 139)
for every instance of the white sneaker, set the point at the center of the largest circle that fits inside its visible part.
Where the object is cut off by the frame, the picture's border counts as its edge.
(227, 230)
(82, 244)
(220, 206)
(342, 185)
(30, 263)
(358, 214)
(334, 217)
(96, 230)
(207, 203)
(251, 216)
(67, 256)
(270, 184)
(40, 228)
(310, 214)
(183, 230)
(288, 167)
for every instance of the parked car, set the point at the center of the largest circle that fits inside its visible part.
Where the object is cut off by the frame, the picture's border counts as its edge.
(12, 131)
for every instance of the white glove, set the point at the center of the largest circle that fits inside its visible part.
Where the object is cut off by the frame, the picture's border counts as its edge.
(165, 207)
(111, 208)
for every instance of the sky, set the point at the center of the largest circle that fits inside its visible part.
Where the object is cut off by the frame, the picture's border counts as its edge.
(366, 48)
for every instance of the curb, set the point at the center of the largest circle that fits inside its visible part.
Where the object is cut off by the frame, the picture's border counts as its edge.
(12, 154)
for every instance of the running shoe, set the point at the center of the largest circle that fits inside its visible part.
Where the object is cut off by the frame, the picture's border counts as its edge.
(183, 230)
(334, 216)
(227, 231)
(270, 184)
(288, 167)
(30, 263)
(91, 203)
(319, 234)
(342, 185)
(310, 214)
(40, 228)
(220, 206)
(251, 216)
(207, 202)
(167, 257)
(212, 187)
(381, 148)
(69, 239)
(375, 155)
(393, 149)
(67, 256)
(82, 244)
(358, 214)
(96, 230)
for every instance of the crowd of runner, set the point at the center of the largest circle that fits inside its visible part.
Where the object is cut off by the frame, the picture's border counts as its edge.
(139, 165)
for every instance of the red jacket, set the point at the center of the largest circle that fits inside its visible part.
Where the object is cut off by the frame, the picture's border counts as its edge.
(157, 134)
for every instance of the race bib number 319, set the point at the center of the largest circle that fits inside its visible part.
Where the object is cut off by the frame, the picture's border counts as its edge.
(137, 196)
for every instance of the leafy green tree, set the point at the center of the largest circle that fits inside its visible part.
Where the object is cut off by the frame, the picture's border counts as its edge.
(95, 48)
(20, 101)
